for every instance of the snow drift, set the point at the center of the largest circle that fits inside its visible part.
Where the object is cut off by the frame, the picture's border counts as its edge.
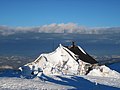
(63, 61)
(104, 71)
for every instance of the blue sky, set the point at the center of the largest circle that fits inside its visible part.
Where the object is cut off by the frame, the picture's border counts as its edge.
(91, 13)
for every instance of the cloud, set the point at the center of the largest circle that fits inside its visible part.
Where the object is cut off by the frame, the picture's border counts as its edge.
(58, 28)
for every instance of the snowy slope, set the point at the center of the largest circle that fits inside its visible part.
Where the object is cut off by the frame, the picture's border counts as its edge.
(58, 83)
(110, 81)
(29, 84)
(13, 80)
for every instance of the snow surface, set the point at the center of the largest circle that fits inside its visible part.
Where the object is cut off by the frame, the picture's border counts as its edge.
(110, 81)
(29, 84)
(59, 83)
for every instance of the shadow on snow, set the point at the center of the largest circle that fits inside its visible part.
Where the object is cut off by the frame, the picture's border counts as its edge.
(77, 82)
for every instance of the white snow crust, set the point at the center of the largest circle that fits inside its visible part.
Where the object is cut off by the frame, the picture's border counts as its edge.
(60, 83)
(29, 84)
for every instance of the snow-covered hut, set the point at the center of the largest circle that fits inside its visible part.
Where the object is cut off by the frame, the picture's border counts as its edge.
(65, 60)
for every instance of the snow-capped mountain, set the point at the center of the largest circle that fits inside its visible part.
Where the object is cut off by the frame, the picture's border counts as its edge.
(63, 61)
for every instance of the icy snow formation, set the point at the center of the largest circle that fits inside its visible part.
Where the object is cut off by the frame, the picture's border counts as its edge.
(64, 62)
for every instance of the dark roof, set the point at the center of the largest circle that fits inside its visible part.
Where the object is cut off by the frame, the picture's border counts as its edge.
(81, 55)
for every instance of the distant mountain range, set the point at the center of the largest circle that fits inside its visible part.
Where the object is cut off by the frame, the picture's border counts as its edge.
(59, 28)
